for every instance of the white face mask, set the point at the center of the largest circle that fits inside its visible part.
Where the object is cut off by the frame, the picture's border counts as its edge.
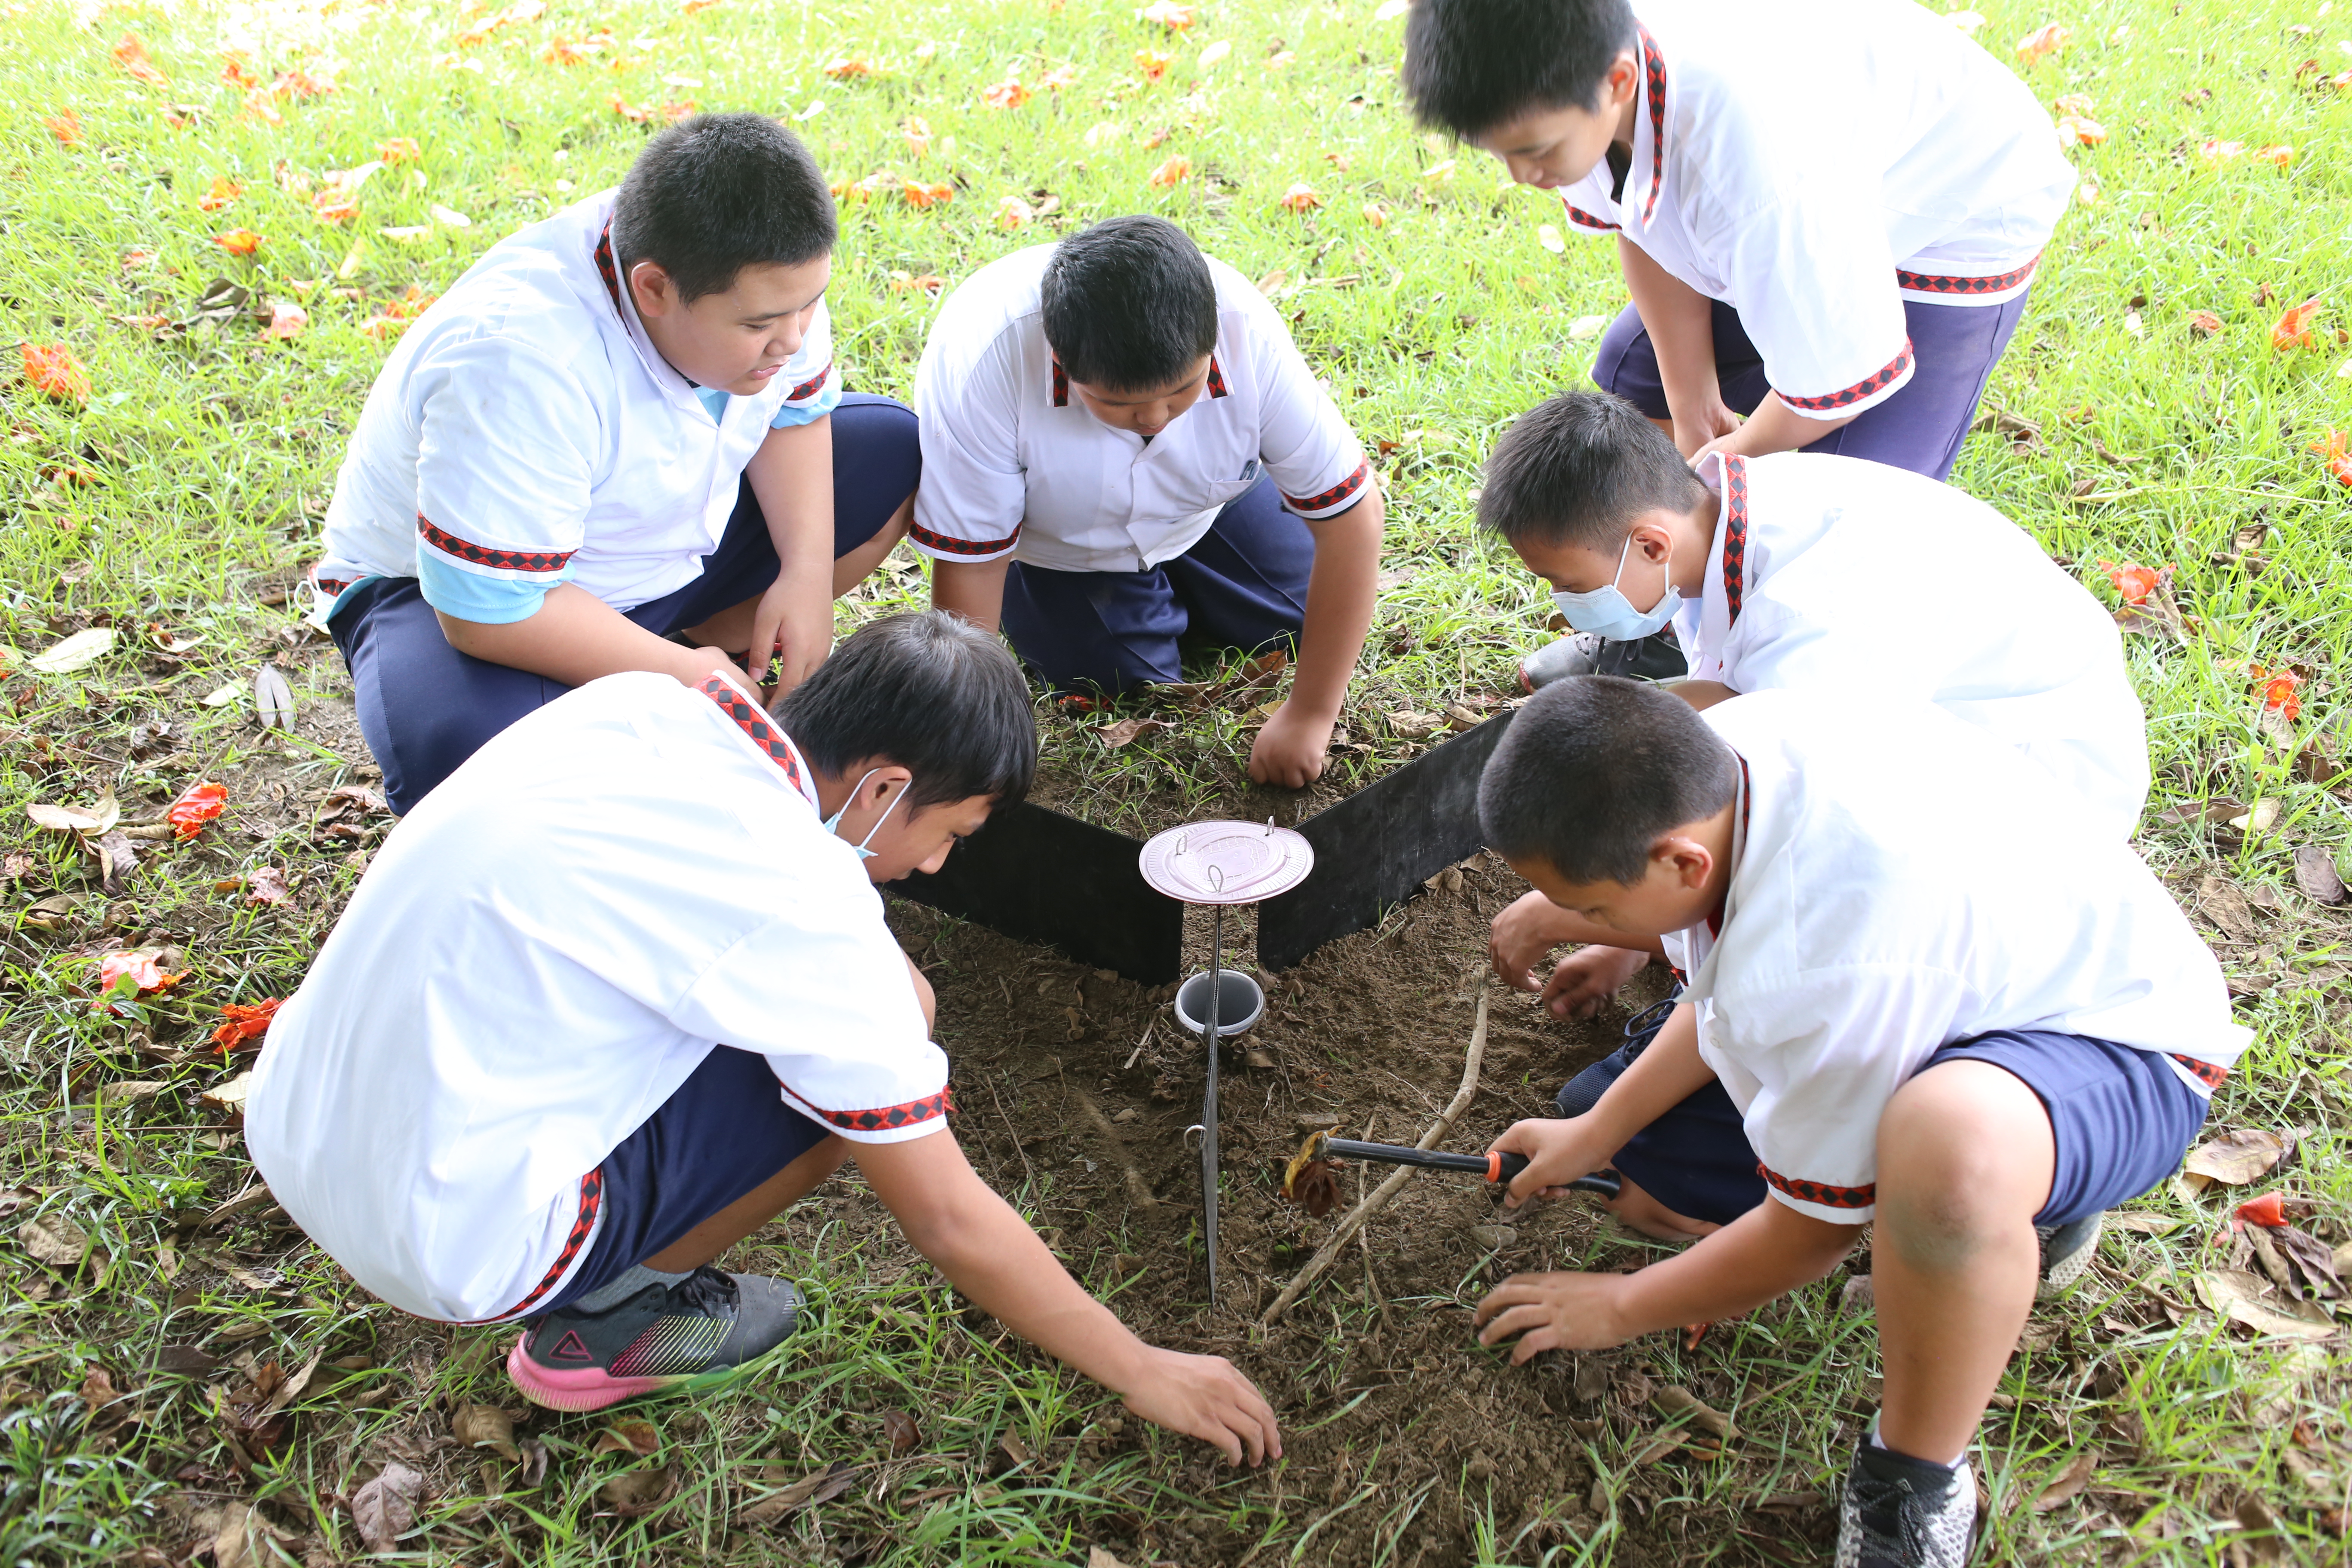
(832, 823)
(1608, 614)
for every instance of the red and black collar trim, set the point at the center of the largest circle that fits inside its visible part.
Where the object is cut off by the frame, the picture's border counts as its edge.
(755, 724)
(609, 269)
(1583, 219)
(1216, 378)
(1739, 846)
(1877, 381)
(1654, 76)
(1735, 537)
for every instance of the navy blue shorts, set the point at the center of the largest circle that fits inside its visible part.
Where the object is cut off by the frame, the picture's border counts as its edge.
(724, 1131)
(1243, 584)
(2120, 1121)
(1920, 427)
(424, 708)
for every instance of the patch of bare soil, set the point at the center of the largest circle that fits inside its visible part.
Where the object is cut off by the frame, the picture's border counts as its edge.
(1080, 1081)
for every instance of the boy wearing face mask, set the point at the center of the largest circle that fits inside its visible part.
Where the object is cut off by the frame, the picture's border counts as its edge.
(1798, 572)
(618, 442)
(1828, 216)
(620, 992)
(1124, 454)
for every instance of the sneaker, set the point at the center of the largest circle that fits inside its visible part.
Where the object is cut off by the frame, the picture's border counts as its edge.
(1902, 1512)
(686, 1338)
(1654, 658)
(2066, 1253)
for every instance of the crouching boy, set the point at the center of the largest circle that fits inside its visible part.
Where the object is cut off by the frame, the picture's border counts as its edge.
(1807, 573)
(1917, 999)
(620, 992)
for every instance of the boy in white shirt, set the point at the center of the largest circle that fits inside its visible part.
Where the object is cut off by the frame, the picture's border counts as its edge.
(1918, 999)
(620, 992)
(1124, 453)
(1829, 215)
(624, 423)
(1810, 574)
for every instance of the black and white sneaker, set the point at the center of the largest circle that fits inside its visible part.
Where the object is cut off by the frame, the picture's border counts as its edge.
(1654, 658)
(1902, 1512)
(698, 1334)
(2066, 1253)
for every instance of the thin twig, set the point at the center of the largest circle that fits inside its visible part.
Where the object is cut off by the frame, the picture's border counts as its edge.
(1355, 1218)
(1137, 1187)
(1010, 1133)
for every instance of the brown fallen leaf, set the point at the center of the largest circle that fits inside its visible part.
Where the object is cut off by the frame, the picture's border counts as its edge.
(385, 1508)
(1680, 1401)
(533, 1468)
(185, 1360)
(285, 1388)
(273, 700)
(1013, 1449)
(2145, 1224)
(1413, 725)
(631, 1435)
(1126, 731)
(229, 1096)
(2241, 1156)
(816, 1487)
(235, 1542)
(54, 1240)
(639, 1491)
(2316, 874)
(117, 858)
(2234, 1293)
(2311, 1258)
(266, 885)
(2068, 1485)
(905, 1436)
(1096, 1556)
(485, 1426)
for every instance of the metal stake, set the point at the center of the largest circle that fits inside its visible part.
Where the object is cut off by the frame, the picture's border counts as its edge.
(1208, 1101)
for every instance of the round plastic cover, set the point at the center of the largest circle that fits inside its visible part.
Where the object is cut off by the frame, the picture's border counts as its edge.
(1226, 862)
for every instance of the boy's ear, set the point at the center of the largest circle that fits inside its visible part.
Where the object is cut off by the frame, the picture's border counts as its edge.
(1684, 858)
(651, 287)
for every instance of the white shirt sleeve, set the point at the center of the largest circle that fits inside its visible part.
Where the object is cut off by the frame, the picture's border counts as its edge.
(828, 1003)
(1828, 1055)
(506, 451)
(1309, 451)
(1814, 283)
(974, 491)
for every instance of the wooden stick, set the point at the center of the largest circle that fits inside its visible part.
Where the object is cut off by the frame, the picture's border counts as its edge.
(1354, 1220)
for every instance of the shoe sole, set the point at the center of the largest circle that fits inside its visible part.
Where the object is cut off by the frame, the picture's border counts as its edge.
(594, 1388)
(2062, 1271)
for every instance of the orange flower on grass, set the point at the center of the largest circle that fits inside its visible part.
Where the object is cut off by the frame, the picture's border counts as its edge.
(198, 804)
(2135, 581)
(563, 51)
(1170, 14)
(2204, 324)
(238, 241)
(2332, 453)
(124, 976)
(2281, 691)
(2213, 153)
(2292, 330)
(2076, 129)
(237, 73)
(848, 68)
(242, 1022)
(130, 54)
(918, 132)
(1006, 94)
(929, 283)
(1301, 198)
(334, 205)
(920, 194)
(286, 319)
(2048, 38)
(1011, 212)
(1057, 78)
(1153, 63)
(51, 370)
(65, 125)
(1173, 172)
(399, 149)
(2074, 103)
(2282, 154)
(224, 191)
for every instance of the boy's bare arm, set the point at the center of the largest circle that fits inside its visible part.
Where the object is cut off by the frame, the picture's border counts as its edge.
(1560, 1150)
(1681, 323)
(575, 638)
(792, 476)
(954, 1219)
(1774, 426)
(1290, 750)
(1532, 925)
(972, 589)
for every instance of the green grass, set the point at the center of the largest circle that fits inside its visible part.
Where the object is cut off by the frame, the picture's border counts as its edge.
(208, 455)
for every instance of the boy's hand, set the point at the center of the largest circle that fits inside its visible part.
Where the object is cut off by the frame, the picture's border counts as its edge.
(1557, 1152)
(1585, 979)
(1292, 748)
(1553, 1312)
(1203, 1396)
(1522, 935)
(1697, 428)
(783, 628)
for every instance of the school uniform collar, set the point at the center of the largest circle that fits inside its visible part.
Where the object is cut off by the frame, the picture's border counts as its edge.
(1062, 381)
(1745, 801)
(742, 706)
(666, 376)
(1725, 473)
(1652, 107)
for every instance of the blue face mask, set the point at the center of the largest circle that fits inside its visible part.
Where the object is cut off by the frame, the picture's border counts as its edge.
(1609, 615)
(833, 822)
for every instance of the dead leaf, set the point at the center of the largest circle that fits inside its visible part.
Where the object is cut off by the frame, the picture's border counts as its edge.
(2068, 1484)
(2241, 1156)
(385, 1508)
(1099, 1558)
(534, 1463)
(54, 1240)
(266, 885)
(287, 1388)
(2316, 874)
(229, 1096)
(485, 1426)
(2234, 1293)
(631, 1435)
(1416, 726)
(816, 1487)
(1677, 1401)
(1127, 729)
(1013, 1449)
(130, 1091)
(118, 857)
(639, 1491)
(233, 1543)
(2225, 902)
(187, 1360)
(2144, 1222)
(905, 1434)
(75, 652)
(273, 700)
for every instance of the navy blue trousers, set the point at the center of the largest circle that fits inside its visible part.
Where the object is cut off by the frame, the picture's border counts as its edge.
(1919, 428)
(424, 708)
(1243, 584)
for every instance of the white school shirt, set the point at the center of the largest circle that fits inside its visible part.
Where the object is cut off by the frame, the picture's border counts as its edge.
(540, 954)
(1900, 887)
(1836, 575)
(526, 432)
(1815, 165)
(1013, 464)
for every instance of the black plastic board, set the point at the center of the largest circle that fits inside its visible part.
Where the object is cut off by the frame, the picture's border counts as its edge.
(1036, 874)
(1376, 847)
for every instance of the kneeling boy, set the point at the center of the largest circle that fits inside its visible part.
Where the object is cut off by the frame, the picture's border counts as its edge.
(620, 992)
(1918, 999)
(1808, 574)
(622, 423)
(1122, 450)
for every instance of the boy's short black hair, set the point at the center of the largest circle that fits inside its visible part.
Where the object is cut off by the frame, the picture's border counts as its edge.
(1578, 468)
(1594, 771)
(929, 691)
(1472, 65)
(718, 193)
(1129, 305)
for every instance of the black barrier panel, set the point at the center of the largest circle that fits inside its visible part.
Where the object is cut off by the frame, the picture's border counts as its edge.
(1036, 874)
(1376, 847)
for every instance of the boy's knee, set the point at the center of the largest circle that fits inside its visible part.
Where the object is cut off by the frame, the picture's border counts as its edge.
(1964, 1153)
